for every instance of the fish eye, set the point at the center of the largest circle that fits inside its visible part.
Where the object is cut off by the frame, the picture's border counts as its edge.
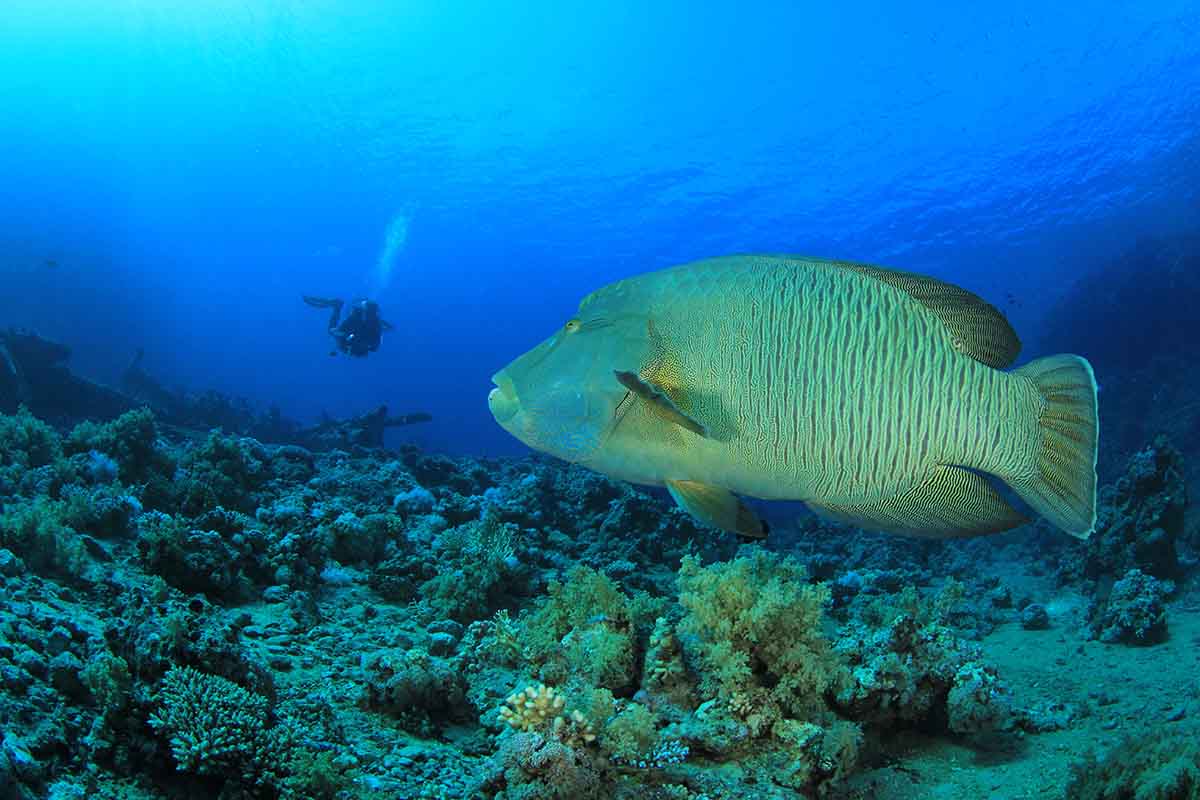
(572, 326)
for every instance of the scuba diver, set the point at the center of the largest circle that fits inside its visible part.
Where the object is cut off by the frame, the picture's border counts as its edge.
(359, 333)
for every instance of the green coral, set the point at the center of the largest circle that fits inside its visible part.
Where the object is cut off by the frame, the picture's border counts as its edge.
(224, 471)
(755, 623)
(131, 440)
(664, 671)
(475, 557)
(107, 511)
(107, 678)
(631, 735)
(26, 442)
(214, 726)
(35, 530)
(587, 628)
(1161, 766)
(217, 728)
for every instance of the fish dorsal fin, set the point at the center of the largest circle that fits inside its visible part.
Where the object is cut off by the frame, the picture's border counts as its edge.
(658, 401)
(950, 502)
(978, 329)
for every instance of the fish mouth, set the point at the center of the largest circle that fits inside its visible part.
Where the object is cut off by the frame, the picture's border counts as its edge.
(502, 400)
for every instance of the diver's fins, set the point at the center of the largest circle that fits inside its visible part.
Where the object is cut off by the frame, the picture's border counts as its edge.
(319, 302)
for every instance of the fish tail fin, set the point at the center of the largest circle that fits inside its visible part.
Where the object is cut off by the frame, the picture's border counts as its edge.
(1061, 485)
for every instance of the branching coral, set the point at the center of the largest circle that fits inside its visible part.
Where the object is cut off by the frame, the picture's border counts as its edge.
(217, 728)
(542, 709)
(213, 724)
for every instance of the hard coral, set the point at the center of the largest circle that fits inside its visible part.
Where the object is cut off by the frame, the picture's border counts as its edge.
(217, 728)
(541, 708)
(213, 724)
(1135, 611)
(225, 471)
(537, 767)
(420, 689)
(905, 663)
(1141, 519)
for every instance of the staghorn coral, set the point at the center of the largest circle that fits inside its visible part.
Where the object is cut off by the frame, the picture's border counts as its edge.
(216, 727)
(213, 725)
(219, 729)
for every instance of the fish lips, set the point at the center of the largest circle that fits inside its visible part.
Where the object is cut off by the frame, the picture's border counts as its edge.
(502, 400)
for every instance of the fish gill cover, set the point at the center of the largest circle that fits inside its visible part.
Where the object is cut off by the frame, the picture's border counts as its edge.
(232, 565)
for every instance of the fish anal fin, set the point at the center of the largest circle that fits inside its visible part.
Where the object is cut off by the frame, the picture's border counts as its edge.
(659, 402)
(717, 507)
(951, 502)
(977, 328)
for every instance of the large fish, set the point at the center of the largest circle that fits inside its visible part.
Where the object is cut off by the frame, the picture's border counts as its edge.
(875, 396)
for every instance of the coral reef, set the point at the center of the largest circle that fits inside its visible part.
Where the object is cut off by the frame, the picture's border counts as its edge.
(909, 668)
(1140, 523)
(1134, 611)
(209, 615)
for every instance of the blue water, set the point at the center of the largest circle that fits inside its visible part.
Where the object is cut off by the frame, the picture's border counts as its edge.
(174, 175)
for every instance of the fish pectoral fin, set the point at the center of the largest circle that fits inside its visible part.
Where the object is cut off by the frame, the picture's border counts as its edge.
(951, 502)
(658, 400)
(717, 507)
(976, 327)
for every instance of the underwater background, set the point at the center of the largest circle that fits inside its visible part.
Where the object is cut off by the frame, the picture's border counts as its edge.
(228, 571)
(192, 168)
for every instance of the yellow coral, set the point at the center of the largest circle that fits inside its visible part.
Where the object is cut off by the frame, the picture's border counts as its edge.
(542, 709)
(533, 708)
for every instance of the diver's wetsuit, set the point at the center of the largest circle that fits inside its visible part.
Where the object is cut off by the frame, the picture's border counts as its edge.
(362, 329)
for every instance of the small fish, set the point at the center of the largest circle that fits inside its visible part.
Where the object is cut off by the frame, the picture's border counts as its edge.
(50, 263)
(877, 397)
